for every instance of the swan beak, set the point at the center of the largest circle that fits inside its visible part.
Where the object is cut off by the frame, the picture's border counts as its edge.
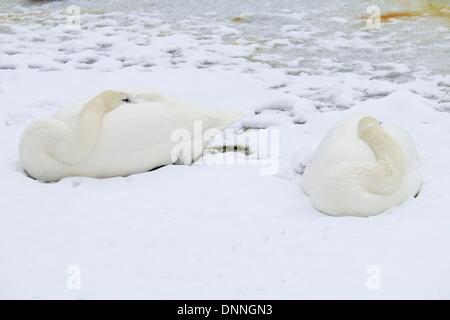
(125, 97)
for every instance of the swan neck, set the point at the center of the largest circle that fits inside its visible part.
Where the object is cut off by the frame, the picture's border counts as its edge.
(82, 138)
(386, 176)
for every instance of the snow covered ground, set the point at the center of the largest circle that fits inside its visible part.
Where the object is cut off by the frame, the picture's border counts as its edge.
(217, 230)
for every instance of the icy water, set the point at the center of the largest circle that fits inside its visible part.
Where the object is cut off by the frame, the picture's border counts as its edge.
(296, 38)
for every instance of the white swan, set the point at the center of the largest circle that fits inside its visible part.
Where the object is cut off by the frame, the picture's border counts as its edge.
(109, 137)
(362, 168)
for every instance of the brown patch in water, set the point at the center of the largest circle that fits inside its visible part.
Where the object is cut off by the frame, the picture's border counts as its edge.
(426, 8)
(240, 19)
(399, 14)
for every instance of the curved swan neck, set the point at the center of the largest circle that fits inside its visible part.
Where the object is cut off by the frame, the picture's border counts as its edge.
(81, 139)
(386, 176)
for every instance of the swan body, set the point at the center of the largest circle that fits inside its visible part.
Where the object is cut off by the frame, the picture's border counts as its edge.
(114, 134)
(362, 168)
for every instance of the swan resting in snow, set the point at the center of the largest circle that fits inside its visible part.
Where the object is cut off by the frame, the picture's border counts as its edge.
(116, 134)
(362, 168)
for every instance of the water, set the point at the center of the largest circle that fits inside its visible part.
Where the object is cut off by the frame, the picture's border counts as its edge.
(298, 37)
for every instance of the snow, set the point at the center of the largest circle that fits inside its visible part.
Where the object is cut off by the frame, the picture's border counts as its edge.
(218, 230)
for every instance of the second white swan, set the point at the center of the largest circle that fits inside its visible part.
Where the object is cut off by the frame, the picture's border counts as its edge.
(362, 168)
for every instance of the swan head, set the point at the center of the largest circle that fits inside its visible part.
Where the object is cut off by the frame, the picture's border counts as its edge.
(113, 98)
(367, 127)
(141, 94)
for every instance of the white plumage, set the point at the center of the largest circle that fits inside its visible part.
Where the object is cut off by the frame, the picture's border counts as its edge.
(362, 168)
(108, 137)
